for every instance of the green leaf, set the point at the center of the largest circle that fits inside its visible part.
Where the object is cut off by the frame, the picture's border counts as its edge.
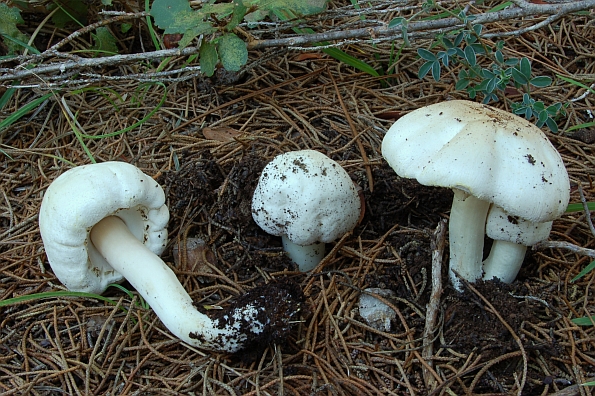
(427, 55)
(208, 58)
(541, 118)
(70, 11)
(239, 10)
(477, 29)
(104, 42)
(491, 85)
(551, 124)
(298, 7)
(232, 52)
(276, 7)
(222, 10)
(10, 17)
(396, 22)
(540, 81)
(175, 16)
(125, 27)
(462, 84)
(470, 56)
(519, 77)
(424, 69)
(525, 68)
(195, 31)
(436, 71)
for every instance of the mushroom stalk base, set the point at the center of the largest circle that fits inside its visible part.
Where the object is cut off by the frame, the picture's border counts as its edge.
(152, 278)
(466, 233)
(504, 261)
(306, 257)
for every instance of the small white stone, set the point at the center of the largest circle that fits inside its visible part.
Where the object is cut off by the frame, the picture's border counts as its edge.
(376, 313)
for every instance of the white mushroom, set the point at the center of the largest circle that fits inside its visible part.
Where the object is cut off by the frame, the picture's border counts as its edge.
(307, 199)
(486, 156)
(511, 235)
(105, 222)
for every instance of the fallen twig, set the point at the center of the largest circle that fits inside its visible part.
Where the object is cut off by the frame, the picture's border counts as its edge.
(437, 246)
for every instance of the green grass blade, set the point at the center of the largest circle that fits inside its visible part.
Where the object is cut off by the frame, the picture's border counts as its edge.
(141, 303)
(577, 83)
(500, 7)
(585, 271)
(578, 207)
(581, 126)
(54, 294)
(151, 28)
(136, 124)
(332, 52)
(8, 121)
(23, 44)
(350, 60)
(99, 90)
(6, 97)
(584, 321)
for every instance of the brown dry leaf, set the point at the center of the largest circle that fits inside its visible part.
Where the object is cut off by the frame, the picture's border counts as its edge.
(221, 134)
(198, 257)
(390, 115)
(307, 56)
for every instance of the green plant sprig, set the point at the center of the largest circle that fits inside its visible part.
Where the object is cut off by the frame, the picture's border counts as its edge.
(464, 50)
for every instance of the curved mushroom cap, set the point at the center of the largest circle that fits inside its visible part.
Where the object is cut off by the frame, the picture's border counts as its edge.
(489, 153)
(502, 226)
(306, 196)
(81, 197)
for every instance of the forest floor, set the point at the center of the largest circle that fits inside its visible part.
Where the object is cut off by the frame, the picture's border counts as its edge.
(206, 145)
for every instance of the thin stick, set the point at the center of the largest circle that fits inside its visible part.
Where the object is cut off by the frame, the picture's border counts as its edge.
(437, 245)
(564, 245)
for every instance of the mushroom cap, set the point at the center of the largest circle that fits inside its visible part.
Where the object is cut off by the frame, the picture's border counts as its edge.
(81, 197)
(306, 196)
(502, 226)
(489, 153)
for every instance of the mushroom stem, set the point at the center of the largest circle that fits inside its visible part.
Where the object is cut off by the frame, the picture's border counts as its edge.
(306, 257)
(157, 283)
(504, 261)
(466, 232)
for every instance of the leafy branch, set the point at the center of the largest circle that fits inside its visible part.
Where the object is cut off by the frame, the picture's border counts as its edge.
(491, 82)
(63, 66)
(217, 21)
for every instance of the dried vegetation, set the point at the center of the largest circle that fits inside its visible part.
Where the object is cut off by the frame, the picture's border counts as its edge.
(206, 145)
